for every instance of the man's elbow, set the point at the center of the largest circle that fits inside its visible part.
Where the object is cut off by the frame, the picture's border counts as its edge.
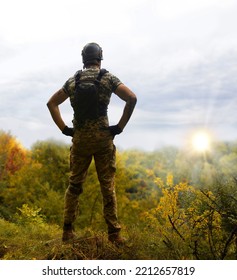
(48, 104)
(133, 99)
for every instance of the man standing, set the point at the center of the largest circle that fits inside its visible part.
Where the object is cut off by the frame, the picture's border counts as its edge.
(89, 91)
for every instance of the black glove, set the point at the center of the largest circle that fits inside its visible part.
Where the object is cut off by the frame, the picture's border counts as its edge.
(115, 129)
(68, 131)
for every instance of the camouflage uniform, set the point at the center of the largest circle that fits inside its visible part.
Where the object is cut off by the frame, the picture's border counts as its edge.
(93, 140)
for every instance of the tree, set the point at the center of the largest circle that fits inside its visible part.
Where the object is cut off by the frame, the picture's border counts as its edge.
(12, 155)
(55, 164)
(191, 222)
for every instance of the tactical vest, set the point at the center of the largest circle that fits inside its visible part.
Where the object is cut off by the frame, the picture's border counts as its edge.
(86, 102)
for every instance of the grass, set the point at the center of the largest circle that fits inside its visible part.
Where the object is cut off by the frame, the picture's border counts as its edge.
(41, 241)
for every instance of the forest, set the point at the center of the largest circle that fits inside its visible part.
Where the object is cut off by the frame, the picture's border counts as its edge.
(173, 204)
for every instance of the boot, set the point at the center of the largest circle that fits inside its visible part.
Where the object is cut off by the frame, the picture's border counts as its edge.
(116, 239)
(68, 233)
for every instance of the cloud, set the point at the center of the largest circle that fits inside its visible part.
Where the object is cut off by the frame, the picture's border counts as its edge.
(199, 95)
(178, 59)
(202, 94)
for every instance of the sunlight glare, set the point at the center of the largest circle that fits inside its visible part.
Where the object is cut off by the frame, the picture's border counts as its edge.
(201, 141)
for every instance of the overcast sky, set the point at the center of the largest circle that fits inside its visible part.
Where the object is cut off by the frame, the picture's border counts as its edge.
(178, 56)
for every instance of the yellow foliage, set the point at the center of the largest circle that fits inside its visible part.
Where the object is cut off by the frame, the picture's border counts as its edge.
(150, 173)
(169, 180)
(184, 217)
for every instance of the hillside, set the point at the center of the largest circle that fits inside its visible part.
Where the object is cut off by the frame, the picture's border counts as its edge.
(172, 204)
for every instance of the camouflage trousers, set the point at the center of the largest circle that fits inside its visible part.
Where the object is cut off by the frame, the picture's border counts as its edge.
(86, 146)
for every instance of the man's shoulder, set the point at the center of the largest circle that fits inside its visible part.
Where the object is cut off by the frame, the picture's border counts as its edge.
(108, 79)
(114, 80)
(69, 85)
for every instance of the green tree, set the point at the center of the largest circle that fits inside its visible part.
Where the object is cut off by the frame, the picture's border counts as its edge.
(55, 163)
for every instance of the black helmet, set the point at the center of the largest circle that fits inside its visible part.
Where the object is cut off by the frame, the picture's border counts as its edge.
(91, 51)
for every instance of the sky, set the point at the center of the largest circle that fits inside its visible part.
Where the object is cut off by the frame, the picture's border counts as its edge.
(178, 56)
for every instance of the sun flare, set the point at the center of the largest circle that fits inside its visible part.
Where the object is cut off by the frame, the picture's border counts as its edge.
(201, 141)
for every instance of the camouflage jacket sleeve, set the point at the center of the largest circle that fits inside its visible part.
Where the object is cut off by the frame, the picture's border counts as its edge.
(69, 86)
(115, 82)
